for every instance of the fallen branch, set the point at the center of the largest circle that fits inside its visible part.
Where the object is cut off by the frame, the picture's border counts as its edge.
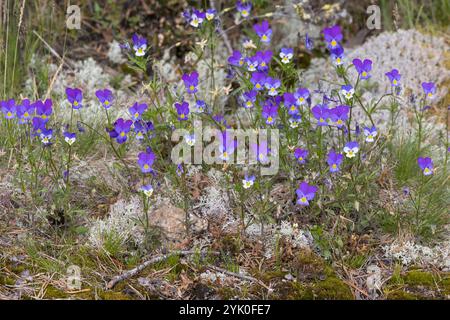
(139, 268)
(240, 276)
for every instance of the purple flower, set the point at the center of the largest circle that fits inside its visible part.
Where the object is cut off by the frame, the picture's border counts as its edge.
(252, 63)
(137, 110)
(145, 161)
(337, 55)
(141, 128)
(261, 151)
(227, 146)
(249, 98)
(339, 115)
(121, 128)
(258, 79)
(147, 190)
(46, 136)
(351, 149)
(370, 133)
(429, 88)
(182, 110)
(363, 67)
(248, 181)
(301, 155)
(263, 31)
(286, 55)
(210, 14)
(295, 120)
(394, 77)
(270, 112)
(332, 35)
(25, 111)
(322, 114)
(9, 108)
(200, 106)
(334, 160)
(44, 109)
(236, 59)
(70, 137)
(263, 58)
(308, 42)
(301, 96)
(290, 103)
(347, 91)
(244, 7)
(272, 85)
(38, 126)
(426, 165)
(197, 18)
(139, 45)
(105, 97)
(191, 82)
(305, 193)
(75, 97)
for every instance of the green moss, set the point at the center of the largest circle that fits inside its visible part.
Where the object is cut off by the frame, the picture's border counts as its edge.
(419, 278)
(54, 293)
(401, 295)
(113, 295)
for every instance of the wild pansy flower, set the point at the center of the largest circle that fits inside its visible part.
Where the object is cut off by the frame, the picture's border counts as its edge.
(263, 58)
(75, 97)
(44, 109)
(38, 126)
(137, 110)
(236, 59)
(25, 111)
(139, 45)
(261, 151)
(210, 14)
(295, 120)
(141, 128)
(227, 146)
(363, 67)
(197, 18)
(105, 97)
(426, 165)
(301, 96)
(145, 161)
(272, 86)
(147, 190)
(263, 31)
(9, 108)
(321, 113)
(394, 77)
(182, 110)
(248, 181)
(270, 113)
(333, 36)
(429, 88)
(121, 128)
(337, 55)
(190, 139)
(370, 133)
(305, 193)
(70, 137)
(301, 155)
(347, 91)
(244, 7)
(191, 81)
(339, 115)
(334, 160)
(290, 103)
(258, 79)
(46, 136)
(286, 55)
(200, 106)
(252, 63)
(308, 42)
(351, 149)
(249, 98)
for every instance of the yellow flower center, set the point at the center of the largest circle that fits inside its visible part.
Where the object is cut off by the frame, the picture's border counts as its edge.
(269, 119)
(364, 74)
(136, 115)
(426, 170)
(334, 166)
(244, 13)
(182, 116)
(26, 114)
(106, 103)
(191, 88)
(303, 199)
(333, 43)
(264, 38)
(394, 81)
(9, 114)
(122, 134)
(75, 103)
(258, 86)
(146, 166)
